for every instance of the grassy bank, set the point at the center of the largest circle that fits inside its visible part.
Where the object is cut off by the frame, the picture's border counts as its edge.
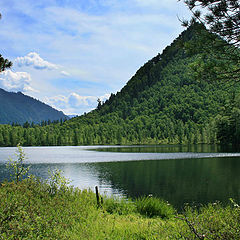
(33, 209)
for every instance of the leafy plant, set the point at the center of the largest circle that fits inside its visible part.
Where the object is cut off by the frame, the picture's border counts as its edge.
(212, 222)
(17, 166)
(57, 182)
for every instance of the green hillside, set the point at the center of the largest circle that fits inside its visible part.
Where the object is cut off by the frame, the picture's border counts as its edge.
(19, 108)
(163, 102)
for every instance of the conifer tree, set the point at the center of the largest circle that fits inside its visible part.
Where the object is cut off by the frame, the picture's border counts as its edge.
(4, 63)
(222, 18)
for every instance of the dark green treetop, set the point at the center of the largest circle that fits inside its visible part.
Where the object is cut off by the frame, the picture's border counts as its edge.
(4, 63)
(222, 19)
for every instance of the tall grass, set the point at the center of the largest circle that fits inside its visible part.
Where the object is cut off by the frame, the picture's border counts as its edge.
(119, 206)
(28, 210)
(152, 207)
(51, 209)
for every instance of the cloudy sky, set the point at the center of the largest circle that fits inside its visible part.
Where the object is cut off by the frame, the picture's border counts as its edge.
(69, 53)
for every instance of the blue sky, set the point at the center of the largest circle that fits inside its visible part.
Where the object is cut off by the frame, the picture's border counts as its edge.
(69, 53)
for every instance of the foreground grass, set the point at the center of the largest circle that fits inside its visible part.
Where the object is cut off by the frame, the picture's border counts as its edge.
(32, 209)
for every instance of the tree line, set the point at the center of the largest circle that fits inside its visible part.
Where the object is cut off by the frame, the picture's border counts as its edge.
(176, 97)
(162, 103)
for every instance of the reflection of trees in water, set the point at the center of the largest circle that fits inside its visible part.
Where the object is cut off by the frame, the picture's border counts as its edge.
(178, 181)
(201, 148)
(39, 170)
(4, 173)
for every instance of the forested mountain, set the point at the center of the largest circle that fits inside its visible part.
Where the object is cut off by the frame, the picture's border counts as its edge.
(164, 102)
(19, 108)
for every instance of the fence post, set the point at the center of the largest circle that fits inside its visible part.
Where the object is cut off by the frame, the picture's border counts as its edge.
(97, 196)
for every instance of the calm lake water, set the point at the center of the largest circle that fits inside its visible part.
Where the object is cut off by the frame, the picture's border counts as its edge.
(179, 174)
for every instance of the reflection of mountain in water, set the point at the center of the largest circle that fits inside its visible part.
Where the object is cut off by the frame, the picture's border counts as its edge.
(178, 181)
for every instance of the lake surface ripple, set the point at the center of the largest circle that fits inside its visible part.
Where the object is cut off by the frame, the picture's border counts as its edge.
(195, 174)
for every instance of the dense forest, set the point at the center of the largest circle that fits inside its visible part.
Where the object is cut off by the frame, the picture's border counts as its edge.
(164, 102)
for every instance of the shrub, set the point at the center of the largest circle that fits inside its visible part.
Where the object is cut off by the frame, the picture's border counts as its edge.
(151, 206)
(213, 222)
(57, 182)
(17, 166)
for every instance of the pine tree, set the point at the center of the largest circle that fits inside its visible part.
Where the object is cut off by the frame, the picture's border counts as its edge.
(222, 19)
(4, 63)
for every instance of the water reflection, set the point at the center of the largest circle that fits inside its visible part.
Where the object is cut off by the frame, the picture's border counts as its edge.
(194, 148)
(178, 181)
(194, 178)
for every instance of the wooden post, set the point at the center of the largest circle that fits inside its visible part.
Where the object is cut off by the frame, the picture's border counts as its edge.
(97, 196)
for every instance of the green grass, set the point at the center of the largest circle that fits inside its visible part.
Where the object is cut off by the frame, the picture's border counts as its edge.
(29, 210)
(152, 207)
(120, 206)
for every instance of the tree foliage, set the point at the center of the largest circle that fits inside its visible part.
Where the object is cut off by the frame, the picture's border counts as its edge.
(4, 63)
(17, 166)
(161, 103)
(221, 61)
(222, 19)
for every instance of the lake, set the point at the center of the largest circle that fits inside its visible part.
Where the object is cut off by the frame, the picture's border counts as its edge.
(195, 174)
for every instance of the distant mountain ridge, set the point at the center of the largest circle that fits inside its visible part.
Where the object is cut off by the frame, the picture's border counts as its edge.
(19, 108)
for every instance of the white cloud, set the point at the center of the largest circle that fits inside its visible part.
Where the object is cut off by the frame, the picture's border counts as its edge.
(34, 59)
(64, 73)
(75, 103)
(15, 81)
(96, 45)
(170, 4)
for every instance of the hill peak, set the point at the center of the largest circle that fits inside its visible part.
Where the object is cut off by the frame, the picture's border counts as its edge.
(19, 108)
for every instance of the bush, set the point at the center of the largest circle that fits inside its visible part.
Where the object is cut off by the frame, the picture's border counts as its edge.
(18, 168)
(28, 211)
(212, 222)
(151, 206)
(57, 182)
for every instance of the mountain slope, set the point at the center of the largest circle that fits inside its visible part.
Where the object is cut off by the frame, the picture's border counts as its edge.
(19, 108)
(162, 103)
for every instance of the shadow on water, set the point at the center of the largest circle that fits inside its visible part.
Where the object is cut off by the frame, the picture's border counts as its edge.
(195, 148)
(178, 181)
(39, 170)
